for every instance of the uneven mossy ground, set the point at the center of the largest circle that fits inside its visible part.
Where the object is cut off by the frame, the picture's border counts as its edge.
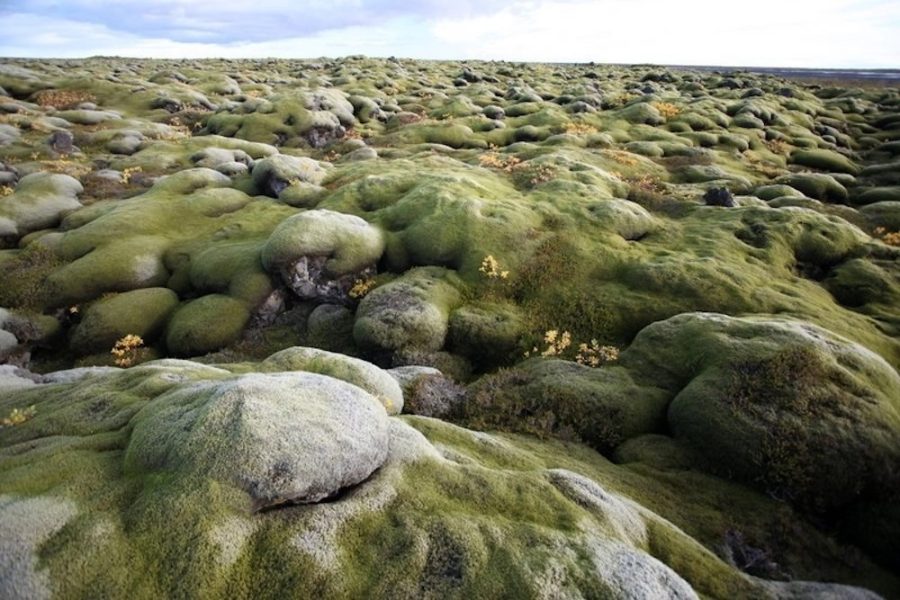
(463, 514)
(584, 184)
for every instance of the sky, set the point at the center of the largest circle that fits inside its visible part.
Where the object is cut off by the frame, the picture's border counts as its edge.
(776, 33)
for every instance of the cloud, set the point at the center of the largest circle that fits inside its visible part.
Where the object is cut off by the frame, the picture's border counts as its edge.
(765, 33)
(63, 38)
(227, 21)
(801, 33)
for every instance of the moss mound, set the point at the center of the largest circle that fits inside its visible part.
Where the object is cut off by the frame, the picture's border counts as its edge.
(206, 324)
(770, 402)
(141, 312)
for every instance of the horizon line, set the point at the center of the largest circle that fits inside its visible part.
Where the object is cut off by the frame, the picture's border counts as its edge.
(466, 60)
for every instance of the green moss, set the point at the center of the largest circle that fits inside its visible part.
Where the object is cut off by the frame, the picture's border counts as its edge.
(766, 400)
(488, 333)
(140, 312)
(564, 399)
(817, 185)
(878, 194)
(484, 520)
(825, 160)
(409, 312)
(218, 266)
(26, 273)
(206, 324)
(348, 242)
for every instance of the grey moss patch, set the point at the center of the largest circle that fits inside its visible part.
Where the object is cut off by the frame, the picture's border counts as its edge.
(40, 201)
(410, 312)
(292, 437)
(25, 524)
(352, 370)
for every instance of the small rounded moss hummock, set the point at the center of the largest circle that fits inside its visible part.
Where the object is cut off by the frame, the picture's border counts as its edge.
(139, 312)
(206, 324)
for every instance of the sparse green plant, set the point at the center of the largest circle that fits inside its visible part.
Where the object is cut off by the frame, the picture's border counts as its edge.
(353, 134)
(891, 238)
(580, 129)
(764, 166)
(494, 160)
(780, 147)
(622, 157)
(556, 344)
(645, 188)
(528, 174)
(66, 167)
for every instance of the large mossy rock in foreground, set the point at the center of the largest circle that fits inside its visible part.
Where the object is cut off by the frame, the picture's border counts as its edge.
(142, 483)
(292, 437)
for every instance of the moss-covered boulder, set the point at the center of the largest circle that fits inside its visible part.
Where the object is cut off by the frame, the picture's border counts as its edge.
(877, 194)
(770, 401)
(601, 407)
(185, 452)
(825, 160)
(140, 312)
(883, 214)
(124, 264)
(360, 373)
(817, 185)
(206, 324)
(320, 254)
(487, 333)
(859, 282)
(773, 191)
(272, 175)
(411, 312)
(292, 437)
(40, 201)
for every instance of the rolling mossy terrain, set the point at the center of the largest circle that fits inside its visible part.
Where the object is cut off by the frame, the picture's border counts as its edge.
(405, 329)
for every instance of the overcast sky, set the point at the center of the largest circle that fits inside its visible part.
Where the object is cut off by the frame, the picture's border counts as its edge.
(800, 33)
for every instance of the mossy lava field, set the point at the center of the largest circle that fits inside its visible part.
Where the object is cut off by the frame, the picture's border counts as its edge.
(385, 328)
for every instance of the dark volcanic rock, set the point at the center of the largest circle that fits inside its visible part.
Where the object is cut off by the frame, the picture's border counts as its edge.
(719, 197)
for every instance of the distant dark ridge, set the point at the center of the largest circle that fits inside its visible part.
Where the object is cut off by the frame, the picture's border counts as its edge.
(853, 74)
